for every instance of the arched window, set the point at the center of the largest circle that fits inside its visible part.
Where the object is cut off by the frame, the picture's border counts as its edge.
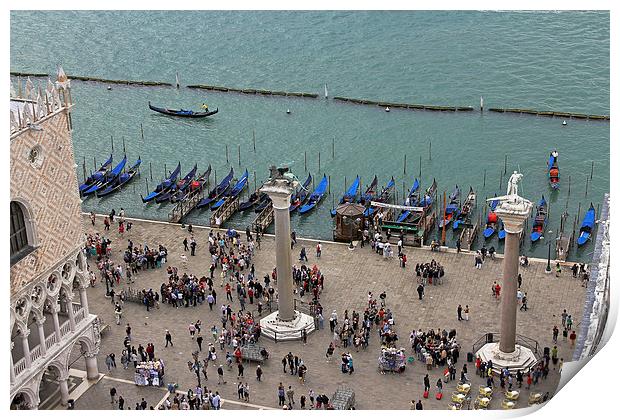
(20, 247)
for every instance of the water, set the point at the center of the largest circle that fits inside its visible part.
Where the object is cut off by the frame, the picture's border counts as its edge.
(557, 61)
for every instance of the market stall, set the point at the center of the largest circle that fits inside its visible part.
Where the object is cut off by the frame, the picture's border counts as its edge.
(392, 360)
(149, 374)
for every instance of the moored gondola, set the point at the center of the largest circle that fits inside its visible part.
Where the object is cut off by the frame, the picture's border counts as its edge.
(121, 180)
(216, 192)
(587, 226)
(108, 179)
(300, 196)
(464, 213)
(383, 197)
(540, 220)
(164, 186)
(554, 170)
(178, 186)
(451, 208)
(316, 196)
(234, 192)
(97, 176)
(349, 195)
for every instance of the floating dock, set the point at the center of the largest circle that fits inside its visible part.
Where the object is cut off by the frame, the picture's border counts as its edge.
(254, 91)
(182, 208)
(468, 236)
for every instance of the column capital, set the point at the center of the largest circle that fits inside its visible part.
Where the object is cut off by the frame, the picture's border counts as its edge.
(55, 308)
(513, 215)
(280, 191)
(41, 320)
(24, 333)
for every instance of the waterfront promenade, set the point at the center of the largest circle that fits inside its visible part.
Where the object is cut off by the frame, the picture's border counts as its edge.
(349, 276)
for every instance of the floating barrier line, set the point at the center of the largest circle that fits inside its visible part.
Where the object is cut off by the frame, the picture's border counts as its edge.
(97, 79)
(550, 113)
(406, 106)
(254, 91)
(382, 104)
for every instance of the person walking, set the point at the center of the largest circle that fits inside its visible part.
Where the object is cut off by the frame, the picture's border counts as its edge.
(192, 246)
(259, 373)
(113, 398)
(420, 290)
(459, 312)
(466, 313)
(427, 383)
(319, 248)
(290, 394)
(220, 375)
(556, 332)
(185, 244)
(199, 340)
(169, 339)
(121, 402)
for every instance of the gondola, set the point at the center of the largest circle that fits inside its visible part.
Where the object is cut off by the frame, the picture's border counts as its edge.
(451, 208)
(235, 191)
(199, 183)
(107, 179)
(121, 180)
(178, 186)
(165, 185)
(315, 197)
(262, 204)
(540, 220)
(429, 196)
(216, 192)
(412, 197)
(465, 211)
(370, 192)
(492, 221)
(554, 170)
(349, 195)
(300, 196)
(182, 112)
(97, 176)
(501, 234)
(252, 200)
(587, 226)
(384, 197)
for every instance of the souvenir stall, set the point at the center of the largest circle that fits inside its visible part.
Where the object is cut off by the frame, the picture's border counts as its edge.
(392, 360)
(149, 374)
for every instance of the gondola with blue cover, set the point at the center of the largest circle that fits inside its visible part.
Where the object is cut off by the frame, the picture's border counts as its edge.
(492, 221)
(121, 180)
(451, 208)
(164, 186)
(540, 220)
(217, 192)
(349, 195)
(185, 190)
(412, 197)
(97, 176)
(234, 192)
(587, 226)
(178, 186)
(554, 170)
(252, 200)
(464, 213)
(299, 198)
(316, 196)
(108, 179)
(384, 197)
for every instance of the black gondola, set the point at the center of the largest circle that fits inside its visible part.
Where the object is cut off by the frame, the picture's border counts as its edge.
(182, 112)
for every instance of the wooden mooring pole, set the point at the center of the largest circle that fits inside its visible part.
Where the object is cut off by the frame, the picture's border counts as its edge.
(334, 147)
(484, 179)
(254, 140)
(587, 182)
(226, 153)
(305, 162)
(505, 163)
(430, 145)
(319, 160)
(141, 131)
(239, 154)
(405, 165)
(151, 170)
(112, 140)
(592, 170)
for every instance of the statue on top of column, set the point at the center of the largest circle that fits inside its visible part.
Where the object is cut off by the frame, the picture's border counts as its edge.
(513, 187)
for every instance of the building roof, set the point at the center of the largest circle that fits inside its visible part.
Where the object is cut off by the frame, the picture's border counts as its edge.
(350, 210)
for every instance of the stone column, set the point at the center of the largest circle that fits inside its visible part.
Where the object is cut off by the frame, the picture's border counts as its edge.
(12, 365)
(84, 299)
(69, 306)
(513, 224)
(40, 322)
(64, 391)
(92, 370)
(26, 346)
(55, 309)
(282, 219)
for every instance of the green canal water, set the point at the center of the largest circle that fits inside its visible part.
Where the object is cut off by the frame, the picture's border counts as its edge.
(556, 61)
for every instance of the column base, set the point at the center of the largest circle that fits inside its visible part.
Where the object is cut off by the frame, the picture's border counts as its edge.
(521, 359)
(92, 370)
(279, 330)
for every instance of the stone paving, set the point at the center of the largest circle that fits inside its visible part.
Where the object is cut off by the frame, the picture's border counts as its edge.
(349, 275)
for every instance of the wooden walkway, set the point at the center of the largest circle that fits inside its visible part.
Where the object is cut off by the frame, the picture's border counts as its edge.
(219, 216)
(264, 219)
(182, 208)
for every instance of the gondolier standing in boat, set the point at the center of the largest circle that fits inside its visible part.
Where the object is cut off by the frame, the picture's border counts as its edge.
(205, 107)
